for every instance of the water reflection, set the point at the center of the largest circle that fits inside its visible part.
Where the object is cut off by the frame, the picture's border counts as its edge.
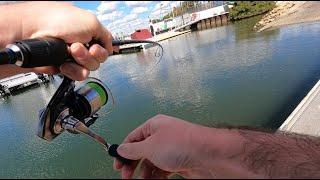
(243, 30)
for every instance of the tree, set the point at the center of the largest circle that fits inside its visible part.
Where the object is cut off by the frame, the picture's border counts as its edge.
(245, 9)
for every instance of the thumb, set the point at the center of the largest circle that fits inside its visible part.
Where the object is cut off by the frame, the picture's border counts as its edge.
(134, 151)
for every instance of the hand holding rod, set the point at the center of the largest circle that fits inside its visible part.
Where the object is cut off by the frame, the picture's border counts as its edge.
(46, 51)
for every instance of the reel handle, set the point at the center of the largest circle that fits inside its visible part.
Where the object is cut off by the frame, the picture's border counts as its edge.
(114, 153)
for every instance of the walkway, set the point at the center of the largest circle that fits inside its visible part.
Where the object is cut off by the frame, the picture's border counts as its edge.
(305, 119)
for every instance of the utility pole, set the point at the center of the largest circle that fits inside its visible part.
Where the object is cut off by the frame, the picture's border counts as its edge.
(182, 12)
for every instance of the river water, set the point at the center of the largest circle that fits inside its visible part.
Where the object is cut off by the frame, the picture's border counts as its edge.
(223, 76)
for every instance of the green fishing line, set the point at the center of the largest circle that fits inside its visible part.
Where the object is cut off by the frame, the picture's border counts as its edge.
(100, 90)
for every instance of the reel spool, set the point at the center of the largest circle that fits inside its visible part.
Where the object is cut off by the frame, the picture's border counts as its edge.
(82, 103)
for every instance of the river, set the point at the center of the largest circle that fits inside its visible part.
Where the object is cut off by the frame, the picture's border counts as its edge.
(228, 75)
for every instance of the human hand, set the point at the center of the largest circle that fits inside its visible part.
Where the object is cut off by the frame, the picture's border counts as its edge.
(75, 26)
(166, 144)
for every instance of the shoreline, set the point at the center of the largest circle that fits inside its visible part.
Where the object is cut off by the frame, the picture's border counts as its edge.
(289, 13)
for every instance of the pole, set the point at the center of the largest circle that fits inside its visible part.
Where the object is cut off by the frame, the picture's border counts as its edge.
(182, 12)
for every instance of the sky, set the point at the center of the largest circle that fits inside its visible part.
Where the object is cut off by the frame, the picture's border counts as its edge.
(126, 16)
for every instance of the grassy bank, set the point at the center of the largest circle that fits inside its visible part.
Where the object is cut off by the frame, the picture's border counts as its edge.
(245, 9)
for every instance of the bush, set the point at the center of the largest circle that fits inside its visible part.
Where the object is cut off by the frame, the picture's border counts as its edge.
(245, 9)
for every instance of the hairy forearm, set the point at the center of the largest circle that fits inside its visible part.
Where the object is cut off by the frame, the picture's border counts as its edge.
(248, 153)
(281, 155)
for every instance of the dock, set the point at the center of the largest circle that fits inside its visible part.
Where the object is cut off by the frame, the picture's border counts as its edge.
(164, 36)
(205, 19)
(130, 48)
(17, 82)
(168, 35)
(305, 119)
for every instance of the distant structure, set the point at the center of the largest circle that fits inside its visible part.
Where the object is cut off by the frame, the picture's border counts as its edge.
(151, 27)
(141, 34)
(20, 81)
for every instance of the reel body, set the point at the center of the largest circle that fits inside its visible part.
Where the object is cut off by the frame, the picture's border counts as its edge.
(82, 103)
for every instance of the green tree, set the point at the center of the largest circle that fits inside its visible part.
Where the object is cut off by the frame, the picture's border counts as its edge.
(245, 9)
(167, 16)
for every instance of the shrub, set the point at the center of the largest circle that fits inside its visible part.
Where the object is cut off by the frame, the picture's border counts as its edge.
(245, 9)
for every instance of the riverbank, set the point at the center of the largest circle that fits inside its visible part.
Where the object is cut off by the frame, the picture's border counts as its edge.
(289, 12)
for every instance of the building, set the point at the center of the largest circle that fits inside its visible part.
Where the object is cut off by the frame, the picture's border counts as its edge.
(141, 34)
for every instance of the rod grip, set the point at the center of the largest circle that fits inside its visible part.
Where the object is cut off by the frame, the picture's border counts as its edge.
(43, 52)
(46, 52)
(114, 153)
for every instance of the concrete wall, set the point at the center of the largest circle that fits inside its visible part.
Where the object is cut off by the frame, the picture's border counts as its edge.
(210, 12)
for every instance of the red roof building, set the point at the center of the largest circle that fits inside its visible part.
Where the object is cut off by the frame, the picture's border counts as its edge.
(141, 34)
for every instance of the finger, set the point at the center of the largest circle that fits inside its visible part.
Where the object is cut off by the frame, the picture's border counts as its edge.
(146, 169)
(98, 53)
(105, 36)
(139, 134)
(134, 136)
(46, 70)
(149, 170)
(127, 171)
(134, 151)
(130, 151)
(74, 71)
(117, 165)
(82, 56)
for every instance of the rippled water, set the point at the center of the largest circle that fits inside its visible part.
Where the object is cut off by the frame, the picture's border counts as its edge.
(227, 75)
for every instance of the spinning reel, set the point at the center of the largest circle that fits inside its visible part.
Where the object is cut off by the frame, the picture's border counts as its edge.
(75, 110)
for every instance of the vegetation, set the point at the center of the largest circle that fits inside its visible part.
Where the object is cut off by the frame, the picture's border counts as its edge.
(245, 9)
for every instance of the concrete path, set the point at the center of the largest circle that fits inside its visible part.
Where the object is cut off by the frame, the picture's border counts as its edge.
(305, 119)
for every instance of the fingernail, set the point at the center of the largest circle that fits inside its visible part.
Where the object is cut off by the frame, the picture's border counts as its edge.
(122, 149)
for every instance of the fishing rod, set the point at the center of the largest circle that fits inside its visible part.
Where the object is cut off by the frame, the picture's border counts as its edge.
(48, 51)
(72, 109)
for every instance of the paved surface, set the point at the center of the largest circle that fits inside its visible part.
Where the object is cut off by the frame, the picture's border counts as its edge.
(305, 119)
